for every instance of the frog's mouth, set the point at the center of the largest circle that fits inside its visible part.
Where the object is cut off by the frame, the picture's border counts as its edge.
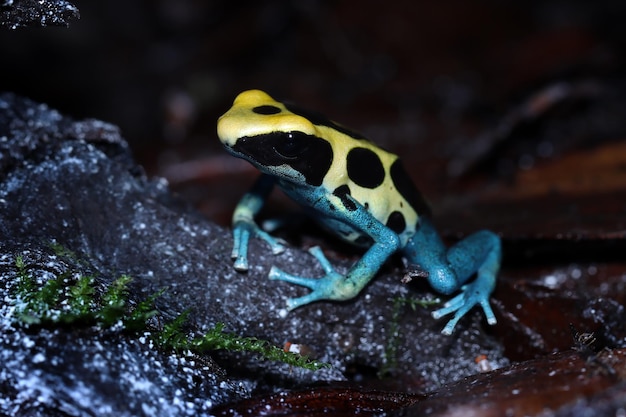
(283, 171)
(283, 153)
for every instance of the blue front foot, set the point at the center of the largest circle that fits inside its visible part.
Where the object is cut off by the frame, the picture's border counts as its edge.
(330, 287)
(241, 237)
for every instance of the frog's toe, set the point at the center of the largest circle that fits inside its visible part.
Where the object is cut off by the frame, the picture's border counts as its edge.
(240, 250)
(276, 245)
(294, 303)
(463, 303)
(329, 287)
(323, 289)
(241, 236)
(280, 275)
(459, 313)
(241, 264)
(315, 284)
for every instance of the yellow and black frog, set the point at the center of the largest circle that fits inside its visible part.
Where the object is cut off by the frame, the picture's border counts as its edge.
(358, 191)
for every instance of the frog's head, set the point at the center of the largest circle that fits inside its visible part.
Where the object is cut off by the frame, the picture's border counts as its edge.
(274, 139)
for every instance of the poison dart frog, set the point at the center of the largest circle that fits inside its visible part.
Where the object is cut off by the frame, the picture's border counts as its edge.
(356, 190)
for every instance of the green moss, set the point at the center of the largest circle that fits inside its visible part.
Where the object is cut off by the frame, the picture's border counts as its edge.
(68, 299)
(174, 338)
(63, 252)
(391, 348)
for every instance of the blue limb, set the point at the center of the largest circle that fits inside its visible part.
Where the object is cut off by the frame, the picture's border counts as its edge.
(333, 285)
(323, 288)
(244, 225)
(450, 269)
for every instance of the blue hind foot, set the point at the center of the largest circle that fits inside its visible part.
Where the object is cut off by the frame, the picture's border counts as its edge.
(476, 293)
(450, 270)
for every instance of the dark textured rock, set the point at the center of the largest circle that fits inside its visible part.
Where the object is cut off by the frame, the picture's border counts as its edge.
(74, 184)
(20, 13)
(49, 164)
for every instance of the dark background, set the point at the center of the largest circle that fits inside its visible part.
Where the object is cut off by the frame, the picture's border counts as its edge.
(424, 79)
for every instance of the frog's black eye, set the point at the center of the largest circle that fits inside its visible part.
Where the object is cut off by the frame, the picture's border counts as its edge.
(266, 110)
(291, 145)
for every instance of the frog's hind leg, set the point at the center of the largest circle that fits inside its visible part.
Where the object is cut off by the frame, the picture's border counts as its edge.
(450, 269)
(479, 253)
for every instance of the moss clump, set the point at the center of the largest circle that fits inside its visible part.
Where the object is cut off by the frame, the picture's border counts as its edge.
(70, 299)
(173, 337)
(393, 339)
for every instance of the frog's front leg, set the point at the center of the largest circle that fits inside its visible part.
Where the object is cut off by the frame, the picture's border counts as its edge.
(333, 285)
(449, 269)
(244, 224)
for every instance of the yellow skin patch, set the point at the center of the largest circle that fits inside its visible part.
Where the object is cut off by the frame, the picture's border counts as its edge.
(241, 121)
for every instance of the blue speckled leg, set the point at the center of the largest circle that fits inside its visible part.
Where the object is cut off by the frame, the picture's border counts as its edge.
(450, 269)
(336, 286)
(244, 224)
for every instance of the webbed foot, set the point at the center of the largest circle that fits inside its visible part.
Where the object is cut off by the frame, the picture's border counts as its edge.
(330, 287)
(450, 270)
(476, 293)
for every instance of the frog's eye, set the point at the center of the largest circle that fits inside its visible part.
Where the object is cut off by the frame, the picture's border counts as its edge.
(291, 145)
